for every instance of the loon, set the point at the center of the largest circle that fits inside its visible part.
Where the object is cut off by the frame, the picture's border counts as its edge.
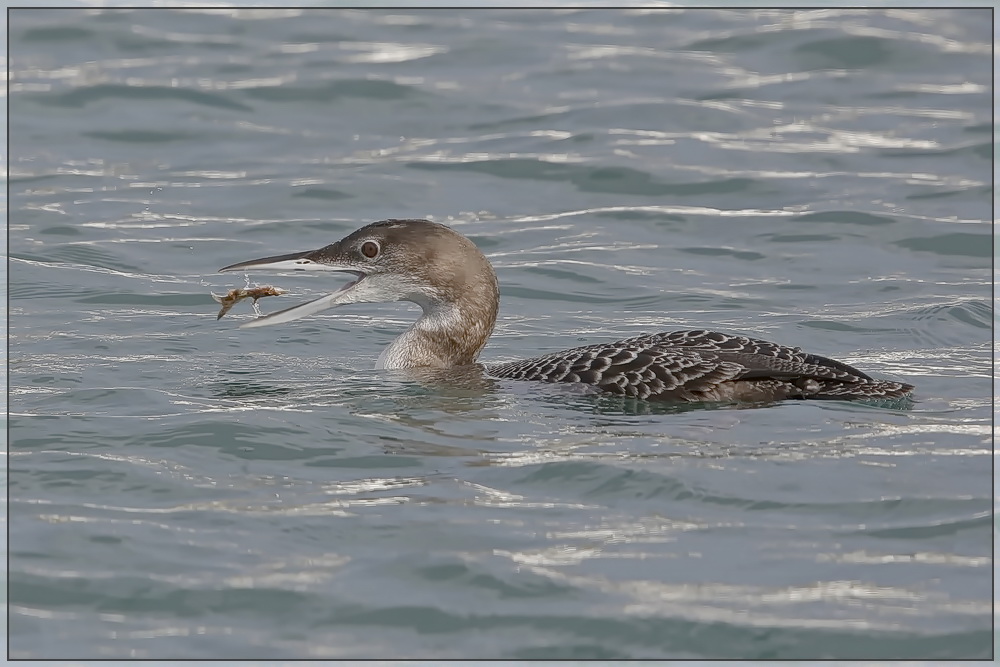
(444, 273)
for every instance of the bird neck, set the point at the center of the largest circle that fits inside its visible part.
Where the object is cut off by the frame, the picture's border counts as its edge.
(448, 334)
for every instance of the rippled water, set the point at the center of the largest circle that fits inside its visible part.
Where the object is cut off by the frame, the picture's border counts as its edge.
(183, 488)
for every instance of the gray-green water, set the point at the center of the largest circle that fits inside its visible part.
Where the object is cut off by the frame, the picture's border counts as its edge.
(183, 488)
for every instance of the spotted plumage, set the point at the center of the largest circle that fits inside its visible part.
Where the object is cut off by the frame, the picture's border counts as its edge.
(452, 281)
(702, 365)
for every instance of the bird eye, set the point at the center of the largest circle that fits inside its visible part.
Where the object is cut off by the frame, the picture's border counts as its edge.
(369, 249)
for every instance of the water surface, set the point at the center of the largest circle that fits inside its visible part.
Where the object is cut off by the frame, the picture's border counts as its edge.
(181, 488)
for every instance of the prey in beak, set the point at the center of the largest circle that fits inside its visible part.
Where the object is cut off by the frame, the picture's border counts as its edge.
(422, 262)
(329, 258)
(391, 260)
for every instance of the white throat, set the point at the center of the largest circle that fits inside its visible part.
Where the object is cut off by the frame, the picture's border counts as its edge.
(430, 341)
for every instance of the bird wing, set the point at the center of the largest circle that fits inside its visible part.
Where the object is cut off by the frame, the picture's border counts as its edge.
(755, 352)
(629, 368)
(679, 364)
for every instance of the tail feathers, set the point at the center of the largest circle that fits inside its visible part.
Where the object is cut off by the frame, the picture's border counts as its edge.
(874, 389)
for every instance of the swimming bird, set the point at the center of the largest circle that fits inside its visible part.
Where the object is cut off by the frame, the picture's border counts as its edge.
(444, 273)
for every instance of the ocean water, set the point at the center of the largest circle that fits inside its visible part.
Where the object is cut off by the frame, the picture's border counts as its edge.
(181, 488)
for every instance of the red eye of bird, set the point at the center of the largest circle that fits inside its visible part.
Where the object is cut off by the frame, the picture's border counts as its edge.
(369, 249)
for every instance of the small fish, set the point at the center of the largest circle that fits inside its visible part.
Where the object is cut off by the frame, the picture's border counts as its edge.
(234, 296)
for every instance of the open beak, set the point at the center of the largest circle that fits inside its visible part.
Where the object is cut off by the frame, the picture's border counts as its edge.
(298, 261)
